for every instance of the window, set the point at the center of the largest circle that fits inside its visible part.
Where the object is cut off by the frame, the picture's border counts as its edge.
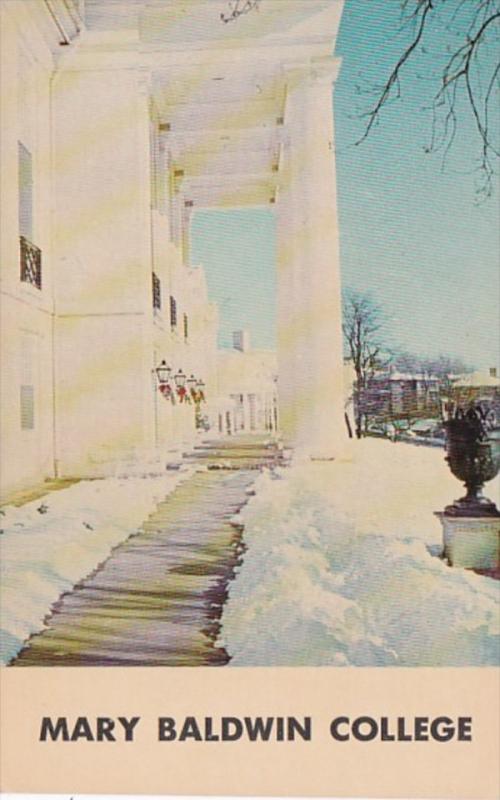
(31, 263)
(30, 255)
(25, 172)
(27, 408)
(156, 292)
(173, 312)
(186, 326)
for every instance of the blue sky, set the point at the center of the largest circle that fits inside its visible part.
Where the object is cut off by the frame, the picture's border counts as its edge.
(411, 234)
(237, 249)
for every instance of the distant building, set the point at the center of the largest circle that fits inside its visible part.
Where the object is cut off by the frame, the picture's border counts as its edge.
(241, 340)
(393, 395)
(247, 394)
(479, 385)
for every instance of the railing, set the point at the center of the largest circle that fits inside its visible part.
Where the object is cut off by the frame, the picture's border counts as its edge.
(156, 292)
(31, 263)
(173, 312)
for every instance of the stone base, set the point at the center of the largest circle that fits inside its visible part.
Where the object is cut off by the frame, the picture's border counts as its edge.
(471, 542)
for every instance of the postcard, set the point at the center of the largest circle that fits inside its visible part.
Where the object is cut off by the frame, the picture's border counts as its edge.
(250, 400)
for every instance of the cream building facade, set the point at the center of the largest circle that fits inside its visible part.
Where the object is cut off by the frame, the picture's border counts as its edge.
(247, 396)
(119, 118)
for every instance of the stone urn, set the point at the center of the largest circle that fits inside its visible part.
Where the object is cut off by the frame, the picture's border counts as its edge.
(473, 454)
(471, 525)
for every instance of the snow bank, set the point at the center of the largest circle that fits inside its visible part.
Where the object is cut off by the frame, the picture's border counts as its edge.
(341, 568)
(50, 544)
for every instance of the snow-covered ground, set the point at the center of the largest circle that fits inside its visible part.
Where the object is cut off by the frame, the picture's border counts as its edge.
(50, 544)
(342, 568)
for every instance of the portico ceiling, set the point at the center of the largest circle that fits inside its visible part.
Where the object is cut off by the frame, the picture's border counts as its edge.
(224, 133)
(184, 22)
(224, 140)
(219, 90)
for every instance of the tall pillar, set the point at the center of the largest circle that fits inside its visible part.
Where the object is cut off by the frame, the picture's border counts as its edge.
(186, 232)
(288, 317)
(102, 260)
(310, 354)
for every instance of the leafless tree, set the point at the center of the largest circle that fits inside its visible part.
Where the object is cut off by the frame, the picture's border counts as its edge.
(362, 323)
(441, 367)
(469, 77)
(236, 8)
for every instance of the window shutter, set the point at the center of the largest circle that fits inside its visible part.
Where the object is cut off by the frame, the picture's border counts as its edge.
(25, 166)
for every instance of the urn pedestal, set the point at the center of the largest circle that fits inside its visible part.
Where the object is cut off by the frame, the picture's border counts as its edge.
(471, 542)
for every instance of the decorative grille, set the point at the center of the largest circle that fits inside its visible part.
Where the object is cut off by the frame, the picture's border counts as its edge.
(156, 291)
(173, 312)
(31, 263)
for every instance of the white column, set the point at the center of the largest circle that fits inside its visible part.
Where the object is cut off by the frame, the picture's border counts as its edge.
(186, 233)
(287, 325)
(309, 303)
(103, 263)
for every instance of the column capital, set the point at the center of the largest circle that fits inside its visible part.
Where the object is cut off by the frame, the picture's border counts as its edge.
(317, 71)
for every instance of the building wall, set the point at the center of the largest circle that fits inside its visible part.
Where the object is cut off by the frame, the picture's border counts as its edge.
(247, 400)
(26, 423)
(194, 354)
(101, 388)
(79, 392)
(26, 345)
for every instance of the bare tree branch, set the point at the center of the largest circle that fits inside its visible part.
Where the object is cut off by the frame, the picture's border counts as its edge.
(362, 324)
(393, 80)
(464, 74)
(237, 8)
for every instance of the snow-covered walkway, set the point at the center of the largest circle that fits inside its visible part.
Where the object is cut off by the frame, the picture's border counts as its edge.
(47, 545)
(342, 568)
(156, 601)
(157, 597)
